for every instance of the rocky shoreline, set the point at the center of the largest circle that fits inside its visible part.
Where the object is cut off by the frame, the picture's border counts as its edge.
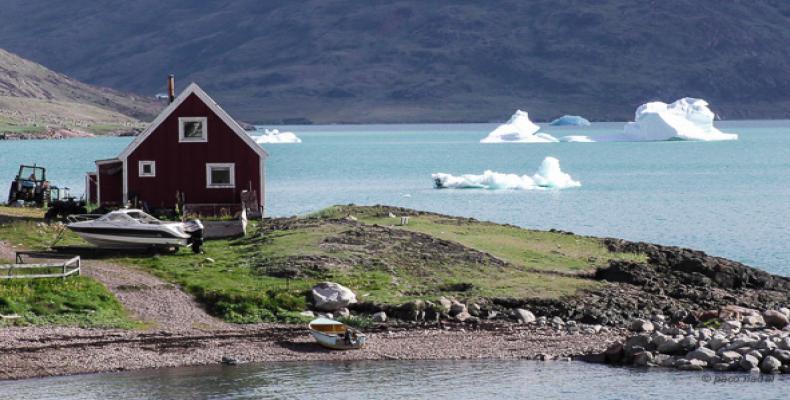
(739, 339)
(679, 308)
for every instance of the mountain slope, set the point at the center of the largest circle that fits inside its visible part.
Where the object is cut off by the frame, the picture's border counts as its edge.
(410, 60)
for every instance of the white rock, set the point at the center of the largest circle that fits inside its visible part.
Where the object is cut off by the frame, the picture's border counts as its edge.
(524, 316)
(330, 296)
(343, 312)
(457, 308)
(380, 316)
(730, 326)
(641, 325)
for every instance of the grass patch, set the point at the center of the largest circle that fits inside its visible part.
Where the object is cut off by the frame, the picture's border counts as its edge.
(532, 249)
(267, 275)
(10, 126)
(75, 301)
(228, 286)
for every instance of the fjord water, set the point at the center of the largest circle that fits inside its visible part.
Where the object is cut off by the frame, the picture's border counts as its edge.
(728, 198)
(459, 380)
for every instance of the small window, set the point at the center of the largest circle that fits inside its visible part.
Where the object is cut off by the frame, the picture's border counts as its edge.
(220, 175)
(192, 129)
(146, 168)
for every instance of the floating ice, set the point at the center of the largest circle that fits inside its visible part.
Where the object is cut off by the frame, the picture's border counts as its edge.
(549, 176)
(275, 136)
(570, 120)
(518, 129)
(577, 138)
(685, 119)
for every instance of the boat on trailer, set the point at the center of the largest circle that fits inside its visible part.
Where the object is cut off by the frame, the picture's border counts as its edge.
(336, 335)
(134, 229)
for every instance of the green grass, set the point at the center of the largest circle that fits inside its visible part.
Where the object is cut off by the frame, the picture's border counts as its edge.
(532, 249)
(10, 126)
(75, 301)
(267, 276)
(228, 286)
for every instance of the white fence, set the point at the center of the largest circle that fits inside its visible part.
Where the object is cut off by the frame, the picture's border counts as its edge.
(69, 266)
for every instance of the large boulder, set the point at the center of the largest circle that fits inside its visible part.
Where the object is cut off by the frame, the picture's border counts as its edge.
(457, 308)
(641, 325)
(330, 296)
(523, 316)
(776, 319)
(703, 354)
(748, 362)
(380, 316)
(770, 365)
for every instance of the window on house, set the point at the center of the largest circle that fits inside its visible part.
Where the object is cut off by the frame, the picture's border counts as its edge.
(220, 175)
(146, 168)
(192, 129)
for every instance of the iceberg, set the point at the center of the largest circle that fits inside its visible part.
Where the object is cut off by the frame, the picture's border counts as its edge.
(577, 138)
(570, 120)
(549, 176)
(685, 119)
(275, 136)
(518, 129)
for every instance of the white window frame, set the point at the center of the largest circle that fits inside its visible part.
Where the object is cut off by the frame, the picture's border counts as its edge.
(231, 185)
(204, 123)
(141, 171)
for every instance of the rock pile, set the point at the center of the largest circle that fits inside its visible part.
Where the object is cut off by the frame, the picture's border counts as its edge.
(747, 340)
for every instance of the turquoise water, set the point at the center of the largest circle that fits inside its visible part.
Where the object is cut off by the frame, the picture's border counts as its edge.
(459, 380)
(728, 198)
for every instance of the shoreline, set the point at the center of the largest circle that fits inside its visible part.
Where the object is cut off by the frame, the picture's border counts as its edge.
(674, 294)
(38, 352)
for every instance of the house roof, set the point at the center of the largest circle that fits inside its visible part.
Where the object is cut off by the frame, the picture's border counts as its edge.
(193, 88)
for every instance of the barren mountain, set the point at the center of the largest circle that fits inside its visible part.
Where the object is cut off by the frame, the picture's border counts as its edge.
(416, 60)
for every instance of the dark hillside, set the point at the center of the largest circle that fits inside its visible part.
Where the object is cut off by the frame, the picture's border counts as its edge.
(408, 61)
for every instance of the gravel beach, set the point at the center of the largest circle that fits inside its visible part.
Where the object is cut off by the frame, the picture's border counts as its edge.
(38, 352)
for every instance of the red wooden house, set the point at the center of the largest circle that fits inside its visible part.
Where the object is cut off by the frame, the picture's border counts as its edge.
(194, 150)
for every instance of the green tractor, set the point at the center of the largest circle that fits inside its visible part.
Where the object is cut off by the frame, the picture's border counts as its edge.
(31, 188)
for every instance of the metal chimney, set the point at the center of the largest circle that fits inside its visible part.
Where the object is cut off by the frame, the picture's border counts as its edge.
(171, 87)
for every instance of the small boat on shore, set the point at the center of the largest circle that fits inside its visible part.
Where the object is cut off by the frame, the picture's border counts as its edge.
(134, 229)
(336, 335)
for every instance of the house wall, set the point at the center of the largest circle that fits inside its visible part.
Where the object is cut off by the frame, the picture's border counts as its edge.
(182, 166)
(110, 183)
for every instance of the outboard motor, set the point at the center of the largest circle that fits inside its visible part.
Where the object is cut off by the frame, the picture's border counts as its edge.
(195, 230)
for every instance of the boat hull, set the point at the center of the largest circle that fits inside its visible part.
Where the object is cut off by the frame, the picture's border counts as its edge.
(126, 238)
(116, 241)
(336, 342)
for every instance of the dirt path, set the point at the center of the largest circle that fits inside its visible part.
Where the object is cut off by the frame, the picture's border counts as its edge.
(159, 304)
(150, 299)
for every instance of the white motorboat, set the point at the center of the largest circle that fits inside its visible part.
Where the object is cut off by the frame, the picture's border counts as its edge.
(134, 229)
(336, 335)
